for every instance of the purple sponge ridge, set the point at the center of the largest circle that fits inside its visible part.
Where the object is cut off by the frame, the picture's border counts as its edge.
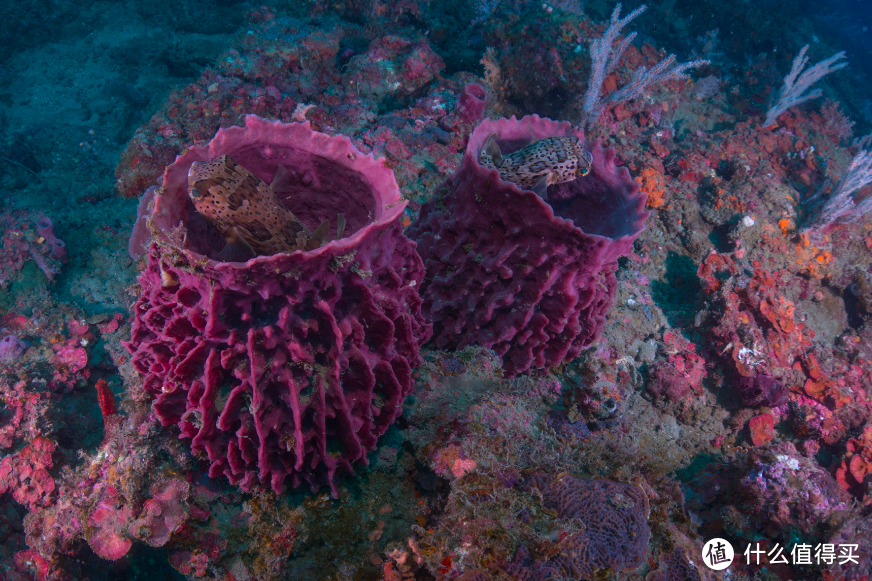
(291, 364)
(530, 279)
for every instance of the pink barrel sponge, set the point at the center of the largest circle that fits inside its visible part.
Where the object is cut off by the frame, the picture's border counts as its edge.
(507, 270)
(471, 104)
(290, 365)
(45, 228)
(11, 348)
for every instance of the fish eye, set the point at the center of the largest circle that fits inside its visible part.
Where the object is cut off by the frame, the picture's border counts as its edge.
(195, 194)
(584, 171)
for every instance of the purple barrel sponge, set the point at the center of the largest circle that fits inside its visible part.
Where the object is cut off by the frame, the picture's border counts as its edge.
(289, 365)
(45, 228)
(11, 348)
(472, 102)
(507, 270)
(761, 390)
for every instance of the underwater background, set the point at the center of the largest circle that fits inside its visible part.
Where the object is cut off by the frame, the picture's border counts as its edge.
(593, 299)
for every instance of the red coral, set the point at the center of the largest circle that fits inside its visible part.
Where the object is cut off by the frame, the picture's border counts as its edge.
(163, 514)
(30, 562)
(666, 383)
(14, 321)
(762, 429)
(106, 399)
(684, 360)
(854, 532)
(77, 328)
(761, 390)
(714, 270)
(112, 325)
(107, 528)
(71, 365)
(26, 476)
(72, 358)
(25, 408)
(188, 563)
(765, 347)
(855, 472)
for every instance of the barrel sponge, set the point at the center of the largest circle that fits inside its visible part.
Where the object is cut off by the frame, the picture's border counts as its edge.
(290, 365)
(529, 278)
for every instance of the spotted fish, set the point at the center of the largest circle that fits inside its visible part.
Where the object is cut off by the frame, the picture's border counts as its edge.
(246, 211)
(549, 161)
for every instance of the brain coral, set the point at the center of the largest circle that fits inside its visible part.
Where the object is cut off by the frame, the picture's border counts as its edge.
(291, 364)
(507, 270)
(613, 518)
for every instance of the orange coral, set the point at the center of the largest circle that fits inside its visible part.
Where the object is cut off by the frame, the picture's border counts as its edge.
(762, 429)
(811, 259)
(714, 269)
(855, 473)
(779, 312)
(653, 184)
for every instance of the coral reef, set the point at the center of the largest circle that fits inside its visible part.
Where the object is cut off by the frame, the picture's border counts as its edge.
(779, 493)
(761, 390)
(111, 500)
(855, 472)
(281, 70)
(714, 383)
(531, 492)
(25, 474)
(857, 570)
(680, 374)
(509, 271)
(291, 364)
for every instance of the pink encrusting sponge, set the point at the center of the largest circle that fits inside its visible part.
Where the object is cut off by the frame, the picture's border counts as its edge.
(530, 279)
(291, 364)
